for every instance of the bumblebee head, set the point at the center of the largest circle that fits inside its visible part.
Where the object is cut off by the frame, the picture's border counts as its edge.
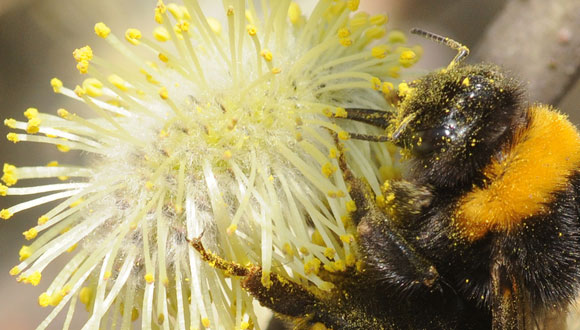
(454, 111)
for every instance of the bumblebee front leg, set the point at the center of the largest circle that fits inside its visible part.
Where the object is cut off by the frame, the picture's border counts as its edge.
(282, 296)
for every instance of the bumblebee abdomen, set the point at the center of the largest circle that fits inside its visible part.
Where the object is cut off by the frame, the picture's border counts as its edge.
(521, 180)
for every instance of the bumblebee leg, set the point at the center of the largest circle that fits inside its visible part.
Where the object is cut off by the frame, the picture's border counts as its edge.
(508, 302)
(378, 118)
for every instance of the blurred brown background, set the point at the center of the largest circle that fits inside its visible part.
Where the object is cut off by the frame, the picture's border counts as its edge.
(36, 42)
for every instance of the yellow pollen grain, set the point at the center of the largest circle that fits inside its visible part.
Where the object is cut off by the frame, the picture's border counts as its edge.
(42, 220)
(93, 87)
(12, 137)
(380, 19)
(149, 185)
(353, 4)
(163, 93)
(343, 135)
(340, 113)
(149, 278)
(404, 89)
(465, 82)
(6, 214)
(44, 300)
(161, 34)
(83, 54)
(347, 238)
(14, 271)
(30, 233)
(267, 55)
(71, 248)
(63, 113)
(107, 275)
(350, 206)
(294, 13)
(33, 126)
(276, 70)
(31, 113)
(312, 266)
(25, 252)
(252, 30)
(10, 122)
(56, 84)
(118, 82)
(102, 30)
(328, 169)
(133, 36)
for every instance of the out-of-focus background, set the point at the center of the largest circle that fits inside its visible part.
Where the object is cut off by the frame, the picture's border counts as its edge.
(36, 42)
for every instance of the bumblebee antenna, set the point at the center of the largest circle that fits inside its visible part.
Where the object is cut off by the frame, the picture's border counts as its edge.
(462, 51)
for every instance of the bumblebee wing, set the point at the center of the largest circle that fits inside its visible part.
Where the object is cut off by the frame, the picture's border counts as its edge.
(509, 303)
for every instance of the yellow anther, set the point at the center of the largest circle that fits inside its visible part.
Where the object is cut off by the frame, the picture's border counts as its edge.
(379, 19)
(312, 266)
(163, 59)
(230, 11)
(353, 4)
(252, 30)
(86, 295)
(163, 93)
(288, 250)
(350, 260)
(175, 11)
(158, 16)
(276, 70)
(343, 33)
(294, 13)
(329, 253)
(328, 169)
(33, 126)
(376, 83)
(107, 275)
(76, 203)
(267, 55)
(15, 271)
(214, 25)
(79, 91)
(3, 190)
(316, 238)
(333, 153)
(404, 89)
(63, 113)
(93, 87)
(56, 298)
(350, 206)
(56, 84)
(118, 82)
(149, 185)
(380, 51)
(396, 37)
(160, 33)
(387, 87)
(376, 32)
(10, 178)
(83, 54)
(42, 220)
(394, 71)
(183, 26)
(358, 20)
(149, 278)
(83, 67)
(347, 238)
(13, 137)
(227, 154)
(62, 148)
(407, 58)
(44, 300)
(133, 36)
(102, 30)
(205, 322)
(343, 135)
(244, 325)
(10, 122)
(231, 229)
(25, 252)
(345, 41)
(31, 113)
(33, 278)
(30, 233)
(340, 113)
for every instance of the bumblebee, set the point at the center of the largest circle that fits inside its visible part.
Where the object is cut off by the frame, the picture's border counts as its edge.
(483, 230)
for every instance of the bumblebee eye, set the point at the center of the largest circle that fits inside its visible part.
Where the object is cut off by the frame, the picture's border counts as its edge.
(429, 140)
